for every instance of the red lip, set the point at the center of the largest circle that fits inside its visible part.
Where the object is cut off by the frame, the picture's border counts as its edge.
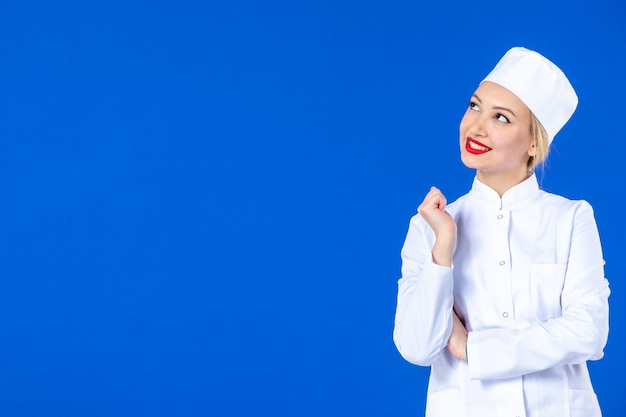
(470, 141)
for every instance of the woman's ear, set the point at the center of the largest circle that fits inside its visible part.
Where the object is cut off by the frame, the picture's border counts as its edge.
(532, 151)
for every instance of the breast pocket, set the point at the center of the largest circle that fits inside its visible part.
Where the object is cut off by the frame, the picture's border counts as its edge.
(546, 285)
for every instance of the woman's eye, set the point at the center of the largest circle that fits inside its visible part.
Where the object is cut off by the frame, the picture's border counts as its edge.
(474, 106)
(502, 118)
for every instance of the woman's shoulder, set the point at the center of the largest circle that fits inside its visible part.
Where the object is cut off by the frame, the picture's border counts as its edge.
(563, 205)
(559, 199)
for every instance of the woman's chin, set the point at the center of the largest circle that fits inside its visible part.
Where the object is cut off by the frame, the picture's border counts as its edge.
(468, 160)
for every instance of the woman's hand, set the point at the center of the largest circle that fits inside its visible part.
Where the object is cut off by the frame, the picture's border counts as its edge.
(433, 211)
(457, 344)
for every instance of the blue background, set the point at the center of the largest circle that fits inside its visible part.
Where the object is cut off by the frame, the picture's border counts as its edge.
(202, 203)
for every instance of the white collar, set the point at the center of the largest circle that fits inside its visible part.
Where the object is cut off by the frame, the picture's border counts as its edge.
(515, 196)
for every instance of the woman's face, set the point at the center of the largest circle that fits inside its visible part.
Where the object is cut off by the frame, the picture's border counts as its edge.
(495, 134)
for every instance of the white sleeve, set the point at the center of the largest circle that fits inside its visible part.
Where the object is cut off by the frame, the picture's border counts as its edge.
(423, 321)
(578, 335)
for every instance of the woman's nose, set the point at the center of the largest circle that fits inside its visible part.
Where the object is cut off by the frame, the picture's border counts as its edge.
(477, 128)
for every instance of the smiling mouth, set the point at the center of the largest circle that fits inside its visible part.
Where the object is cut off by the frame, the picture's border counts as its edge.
(474, 147)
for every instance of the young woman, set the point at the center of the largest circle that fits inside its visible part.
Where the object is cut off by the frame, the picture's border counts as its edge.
(503, 292)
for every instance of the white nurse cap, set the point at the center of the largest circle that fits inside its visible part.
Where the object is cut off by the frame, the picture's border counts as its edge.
(540, 84)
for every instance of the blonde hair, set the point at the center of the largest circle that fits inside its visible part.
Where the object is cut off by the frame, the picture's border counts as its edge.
(542, 144)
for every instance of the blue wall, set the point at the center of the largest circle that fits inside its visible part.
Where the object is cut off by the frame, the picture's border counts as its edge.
(202, 203)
